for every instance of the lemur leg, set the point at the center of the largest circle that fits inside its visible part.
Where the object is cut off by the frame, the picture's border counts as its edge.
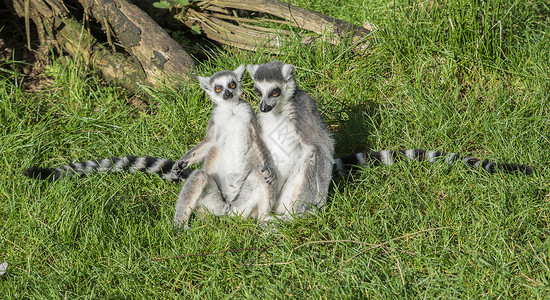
(290, 200)
(260, 193)
(306, 187)
(319, 178)
(200, 192)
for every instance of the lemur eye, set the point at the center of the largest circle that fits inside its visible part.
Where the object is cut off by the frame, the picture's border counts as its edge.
(257, 91)
(218, 88)
(275, 92)
(232, 85)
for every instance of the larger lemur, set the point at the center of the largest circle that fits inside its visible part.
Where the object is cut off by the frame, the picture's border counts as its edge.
(294, 132)
(302, 148)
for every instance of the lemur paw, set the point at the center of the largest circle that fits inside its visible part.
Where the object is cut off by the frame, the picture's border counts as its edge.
(179, 166)
(269, 174)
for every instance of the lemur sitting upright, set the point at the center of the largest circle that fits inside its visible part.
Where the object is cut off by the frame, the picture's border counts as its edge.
(237, 175)
(302, 147)
(294, 132)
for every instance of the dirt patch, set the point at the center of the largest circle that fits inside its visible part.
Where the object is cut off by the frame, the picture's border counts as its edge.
(17, 61)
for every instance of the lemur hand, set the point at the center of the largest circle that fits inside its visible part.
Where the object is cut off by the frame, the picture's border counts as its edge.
(269, 174)
(180, 165)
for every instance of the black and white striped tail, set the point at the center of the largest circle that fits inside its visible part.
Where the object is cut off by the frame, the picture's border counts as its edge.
(148, 164)
(389, 157)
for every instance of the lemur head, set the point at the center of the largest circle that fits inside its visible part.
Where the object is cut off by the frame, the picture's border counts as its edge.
(274, 83)
(223, 86)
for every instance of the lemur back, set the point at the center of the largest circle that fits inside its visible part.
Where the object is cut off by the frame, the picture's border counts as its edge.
(237, 175)
(297, 138)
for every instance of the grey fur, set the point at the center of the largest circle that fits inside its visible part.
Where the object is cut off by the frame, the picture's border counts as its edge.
(295, 134)
(237, 175)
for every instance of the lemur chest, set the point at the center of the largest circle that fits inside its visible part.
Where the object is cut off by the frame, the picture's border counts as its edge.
(233, 143)
(281, 138)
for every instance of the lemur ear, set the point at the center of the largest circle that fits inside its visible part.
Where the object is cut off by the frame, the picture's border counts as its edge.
(288, 72)
(204, 83)
(252, 69)
(239, 71)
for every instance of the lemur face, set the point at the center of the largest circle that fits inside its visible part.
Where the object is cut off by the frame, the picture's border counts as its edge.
(223, 86)
(274, 83)
(269, 93)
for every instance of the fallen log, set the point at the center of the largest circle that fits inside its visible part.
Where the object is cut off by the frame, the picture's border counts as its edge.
(144, 53)
(129, 47)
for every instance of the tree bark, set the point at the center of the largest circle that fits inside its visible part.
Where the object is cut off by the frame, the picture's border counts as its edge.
(148, 56)
(301, 18)
(129, 47)
(162, 59)
(242, 23)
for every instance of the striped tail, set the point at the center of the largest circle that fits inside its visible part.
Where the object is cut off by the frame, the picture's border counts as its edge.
(148, 164)
(389, 157)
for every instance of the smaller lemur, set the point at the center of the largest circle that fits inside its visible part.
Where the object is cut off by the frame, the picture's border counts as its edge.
(237, 175)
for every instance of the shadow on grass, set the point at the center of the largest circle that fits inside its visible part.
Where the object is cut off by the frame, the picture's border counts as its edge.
(354, 132)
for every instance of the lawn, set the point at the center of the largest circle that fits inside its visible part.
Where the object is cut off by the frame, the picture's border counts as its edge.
(471, 77)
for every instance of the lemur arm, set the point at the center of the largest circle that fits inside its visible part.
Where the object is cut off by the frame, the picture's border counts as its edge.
(262, 154)
(197, 153)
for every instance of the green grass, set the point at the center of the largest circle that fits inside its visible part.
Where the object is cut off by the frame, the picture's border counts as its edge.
(458, 76)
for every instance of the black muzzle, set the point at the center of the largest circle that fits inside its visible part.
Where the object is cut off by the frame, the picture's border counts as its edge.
(227, 95)
(264, 107)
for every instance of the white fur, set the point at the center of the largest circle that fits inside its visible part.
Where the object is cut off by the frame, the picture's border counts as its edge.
(386, 157)
(233, 140)
(283, 142)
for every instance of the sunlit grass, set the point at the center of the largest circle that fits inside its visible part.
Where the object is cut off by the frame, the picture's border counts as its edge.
(456, 76)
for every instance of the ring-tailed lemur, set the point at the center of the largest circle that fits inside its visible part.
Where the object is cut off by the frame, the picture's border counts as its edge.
(294, 132)
(237, 175)
(302, 148)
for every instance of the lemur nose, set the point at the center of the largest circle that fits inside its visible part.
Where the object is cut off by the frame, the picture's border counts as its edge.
(227, 95)
(264, 107)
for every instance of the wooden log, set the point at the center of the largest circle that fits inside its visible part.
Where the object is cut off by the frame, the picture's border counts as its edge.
(218, 21)
(239, 23)
(162, 58)
(299, 17)
(149, 55)
(132, 49)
